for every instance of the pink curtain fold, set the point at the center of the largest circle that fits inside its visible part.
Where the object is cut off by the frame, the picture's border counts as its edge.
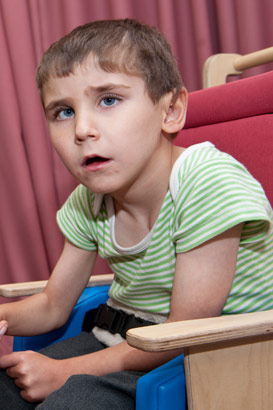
(33, 181)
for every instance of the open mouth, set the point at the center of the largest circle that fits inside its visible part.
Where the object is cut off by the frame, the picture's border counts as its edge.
(94, 160)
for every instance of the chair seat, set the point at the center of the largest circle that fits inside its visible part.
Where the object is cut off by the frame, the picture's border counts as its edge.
(161, 389)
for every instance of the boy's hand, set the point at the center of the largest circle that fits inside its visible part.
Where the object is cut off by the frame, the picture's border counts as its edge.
(3, 327)
(35, 374)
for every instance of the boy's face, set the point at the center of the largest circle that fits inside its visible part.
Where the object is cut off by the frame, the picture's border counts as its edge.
(105, 127)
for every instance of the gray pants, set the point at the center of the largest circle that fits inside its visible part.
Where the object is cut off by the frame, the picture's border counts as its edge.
(80, 392)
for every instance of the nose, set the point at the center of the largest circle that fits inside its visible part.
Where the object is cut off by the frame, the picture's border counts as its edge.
(85, 127)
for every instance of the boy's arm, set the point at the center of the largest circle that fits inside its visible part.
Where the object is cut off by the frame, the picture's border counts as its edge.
(203, 279)
(202, 282)
(204, 276)
(51, 308)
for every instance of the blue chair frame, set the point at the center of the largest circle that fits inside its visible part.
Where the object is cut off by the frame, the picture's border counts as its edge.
(160, 389)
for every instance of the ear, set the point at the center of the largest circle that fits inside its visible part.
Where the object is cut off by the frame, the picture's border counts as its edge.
(174, 115)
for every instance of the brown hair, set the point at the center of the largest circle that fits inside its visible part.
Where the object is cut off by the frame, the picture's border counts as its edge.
(120, 45)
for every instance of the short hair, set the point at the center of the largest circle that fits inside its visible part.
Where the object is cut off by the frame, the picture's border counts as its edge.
(120, 46)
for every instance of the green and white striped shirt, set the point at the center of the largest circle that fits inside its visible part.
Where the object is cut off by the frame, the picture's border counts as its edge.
(209, 193)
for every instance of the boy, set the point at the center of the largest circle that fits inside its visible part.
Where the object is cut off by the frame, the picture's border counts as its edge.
(176, 225)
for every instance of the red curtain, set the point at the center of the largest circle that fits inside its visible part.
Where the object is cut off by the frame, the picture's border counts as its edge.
(33, 181)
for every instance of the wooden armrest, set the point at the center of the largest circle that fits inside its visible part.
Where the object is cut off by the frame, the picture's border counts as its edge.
(30, 288)
(228, 360)
(218, 66)
(176, 335)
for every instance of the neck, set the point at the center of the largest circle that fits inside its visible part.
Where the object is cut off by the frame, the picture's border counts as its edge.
(137, 208)
(144, 199)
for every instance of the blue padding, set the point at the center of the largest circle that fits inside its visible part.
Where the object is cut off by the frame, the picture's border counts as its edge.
(163, 388)
(90, 298)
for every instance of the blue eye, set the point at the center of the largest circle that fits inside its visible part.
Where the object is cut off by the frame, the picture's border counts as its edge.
(65, 113)
(109, 101)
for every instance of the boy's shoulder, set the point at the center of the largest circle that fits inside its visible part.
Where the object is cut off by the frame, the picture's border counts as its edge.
(203, 172)
(196, 160)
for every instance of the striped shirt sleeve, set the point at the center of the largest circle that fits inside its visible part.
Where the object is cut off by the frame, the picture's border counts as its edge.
(76, 219)
(216, 195)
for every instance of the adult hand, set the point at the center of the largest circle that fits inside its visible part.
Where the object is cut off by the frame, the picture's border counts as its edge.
(3, 327)
(35, 374)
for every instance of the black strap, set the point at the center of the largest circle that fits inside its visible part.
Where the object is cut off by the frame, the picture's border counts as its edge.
(113, 320)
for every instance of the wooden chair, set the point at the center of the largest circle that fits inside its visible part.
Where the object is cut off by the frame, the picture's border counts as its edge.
(228, 360)
(219, 66)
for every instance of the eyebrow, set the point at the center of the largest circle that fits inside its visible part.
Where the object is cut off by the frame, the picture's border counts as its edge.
(106, 87)
(98, 89)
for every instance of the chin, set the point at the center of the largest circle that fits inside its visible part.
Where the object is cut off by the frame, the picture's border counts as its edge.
(105, 185)
(98, 189)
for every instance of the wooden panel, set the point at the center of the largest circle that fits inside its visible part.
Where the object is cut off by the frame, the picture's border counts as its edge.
(230, 375)
(217, 67)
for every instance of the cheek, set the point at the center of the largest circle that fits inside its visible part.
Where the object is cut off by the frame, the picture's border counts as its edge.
(61, 148)
(57, 139)
(150, 120)
(57, 146)
(66, 158)
(141, 124)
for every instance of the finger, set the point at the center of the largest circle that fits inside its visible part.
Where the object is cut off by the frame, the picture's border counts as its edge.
(3, 327)
(26, 395)
(19, 383)
(13, 373)
(9, 360)
(3, 323)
